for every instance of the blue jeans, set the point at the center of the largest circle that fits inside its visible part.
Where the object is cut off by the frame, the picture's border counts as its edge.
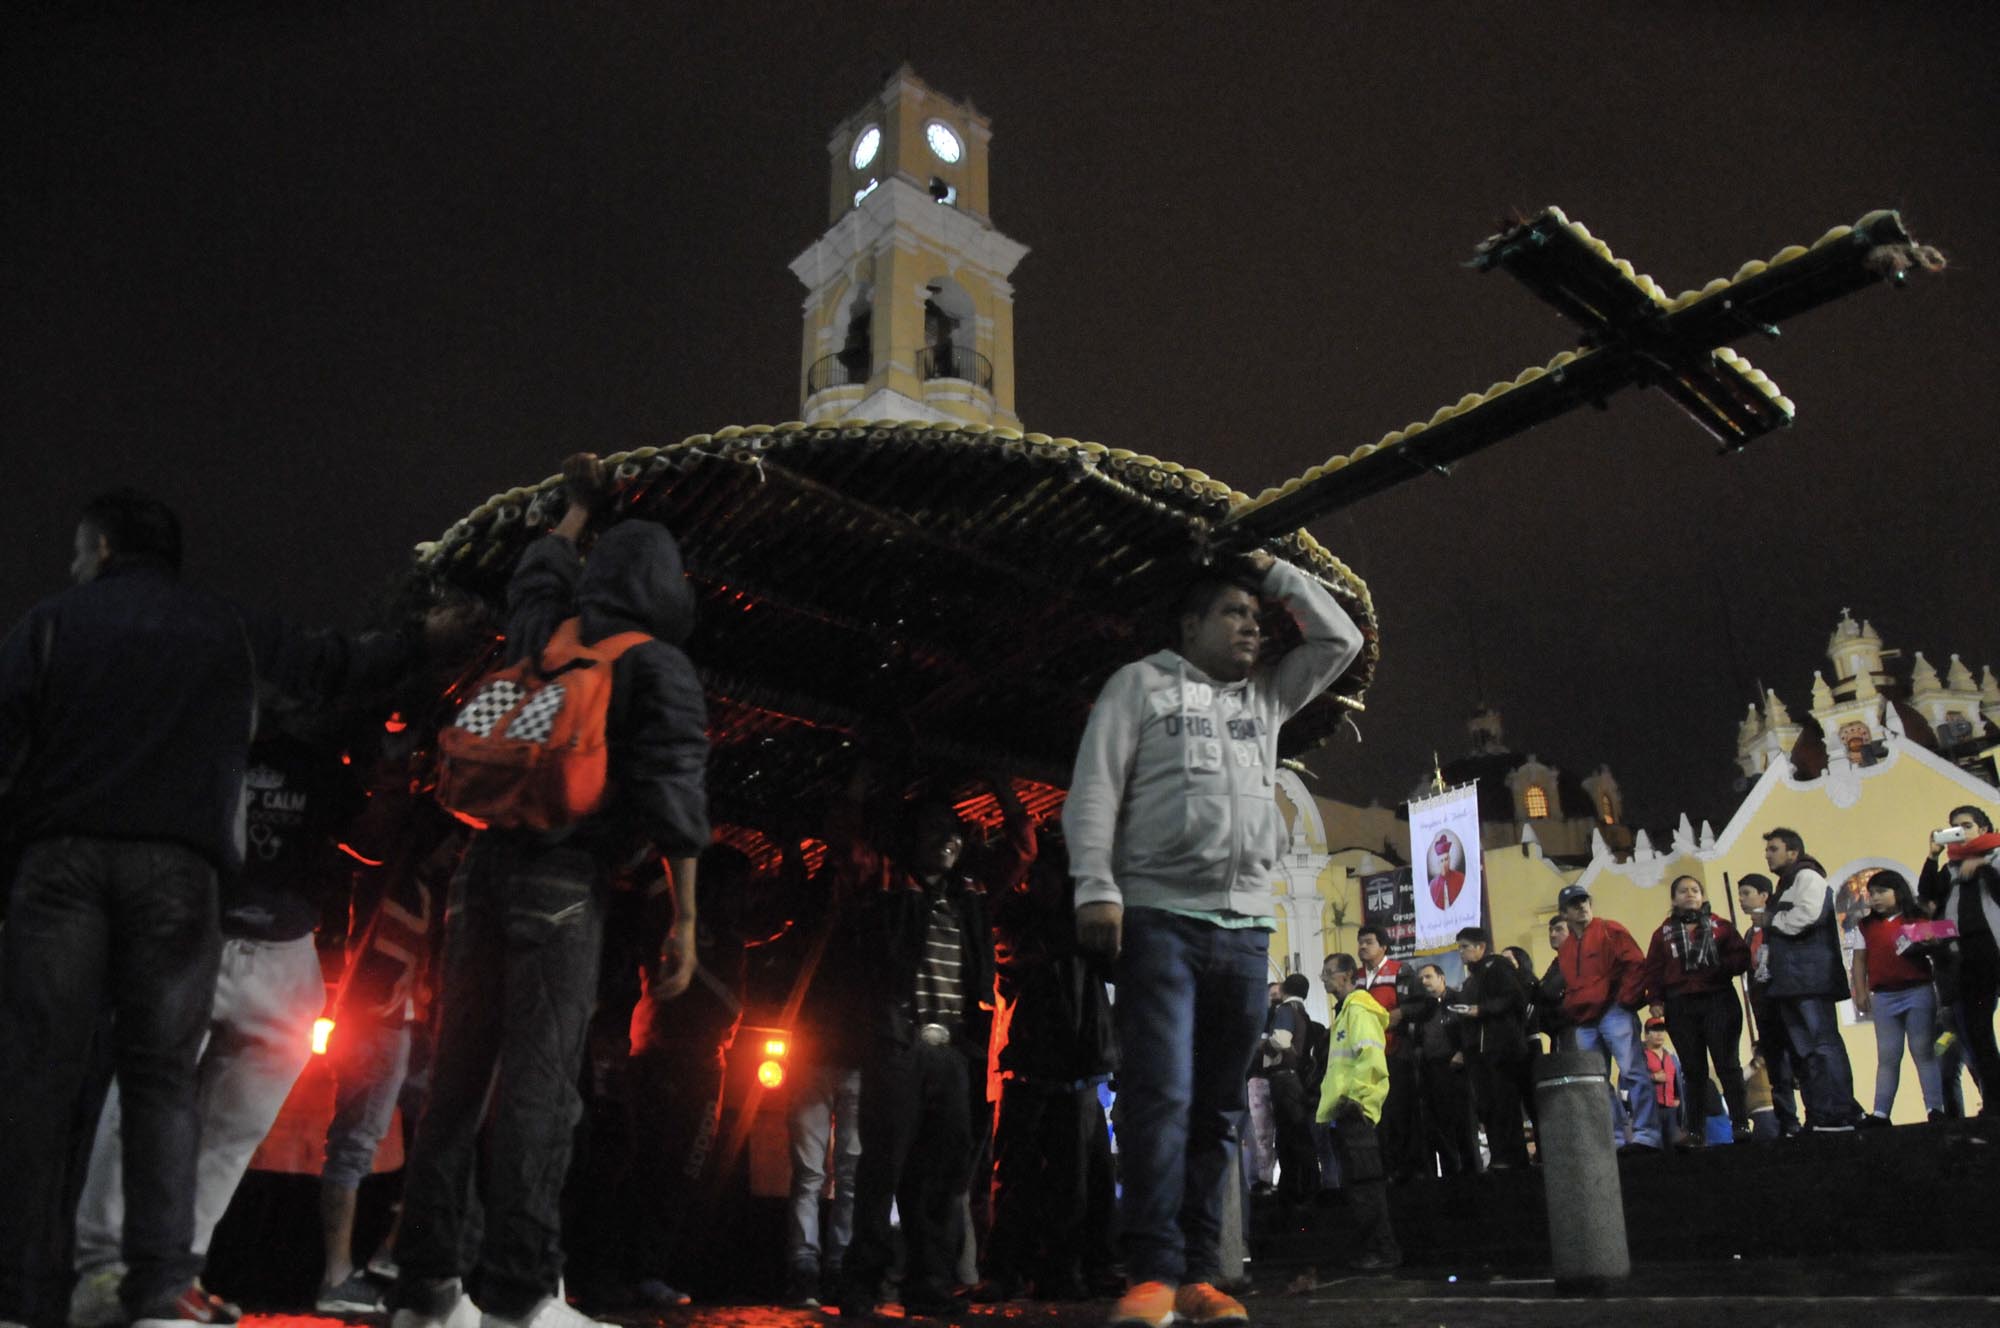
(1191, 1003)
(267, 994)
(826, 1109)
(370, 1061)
(1906, 1016)
(131, 925)
(1616, 1034)
(524, 928)
(1828, 1079)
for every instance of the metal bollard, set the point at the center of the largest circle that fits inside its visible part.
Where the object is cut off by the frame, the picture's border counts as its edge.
(1580, 1171)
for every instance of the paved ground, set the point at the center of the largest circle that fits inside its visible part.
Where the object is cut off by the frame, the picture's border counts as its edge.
(1372, 1308)
(1931, 1292)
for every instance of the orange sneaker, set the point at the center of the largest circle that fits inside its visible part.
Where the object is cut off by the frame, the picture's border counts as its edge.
(1200, 1302)
(1146, 1305)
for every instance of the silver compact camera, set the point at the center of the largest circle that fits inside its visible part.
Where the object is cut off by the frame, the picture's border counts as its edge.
(1951, 834)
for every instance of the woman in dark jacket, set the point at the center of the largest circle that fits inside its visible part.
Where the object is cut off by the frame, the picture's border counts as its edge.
(1690, 965)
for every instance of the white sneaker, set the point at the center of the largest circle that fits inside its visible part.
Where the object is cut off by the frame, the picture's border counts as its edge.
(554, 1312)
(94, 1303)
(463, 1314)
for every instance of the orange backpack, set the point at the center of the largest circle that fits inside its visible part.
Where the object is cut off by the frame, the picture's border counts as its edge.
(528, 749)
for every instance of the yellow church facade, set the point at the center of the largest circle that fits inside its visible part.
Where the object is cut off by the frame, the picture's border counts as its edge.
(1855, 819)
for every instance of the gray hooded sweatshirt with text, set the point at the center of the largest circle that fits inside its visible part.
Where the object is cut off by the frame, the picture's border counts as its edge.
(1172, 804)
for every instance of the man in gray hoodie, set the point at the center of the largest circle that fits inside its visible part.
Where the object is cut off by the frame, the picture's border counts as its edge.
(1174, 830)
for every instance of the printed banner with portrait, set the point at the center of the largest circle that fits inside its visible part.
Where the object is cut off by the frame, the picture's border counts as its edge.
(1444, 860)
(1388, 902)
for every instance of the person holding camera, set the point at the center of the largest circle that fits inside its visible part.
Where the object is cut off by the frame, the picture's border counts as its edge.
(1689, 966)
(1965, 892)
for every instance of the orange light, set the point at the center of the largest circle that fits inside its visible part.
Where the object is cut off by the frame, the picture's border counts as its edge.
(770, 1074)
(774, 1047)
(395, 723)
(322, 1030)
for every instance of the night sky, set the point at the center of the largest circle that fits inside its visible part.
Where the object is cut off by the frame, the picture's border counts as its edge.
(325, 280)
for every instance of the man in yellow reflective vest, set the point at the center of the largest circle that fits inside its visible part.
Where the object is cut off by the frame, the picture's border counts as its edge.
(1350, 1101)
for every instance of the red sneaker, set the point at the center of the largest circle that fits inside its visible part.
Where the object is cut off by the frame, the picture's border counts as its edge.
(194, 1304)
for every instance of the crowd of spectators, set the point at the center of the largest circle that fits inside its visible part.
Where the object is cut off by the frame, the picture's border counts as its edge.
(554, 1014)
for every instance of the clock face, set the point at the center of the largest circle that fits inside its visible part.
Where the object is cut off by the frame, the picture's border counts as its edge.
(943, 142)
(865, 147)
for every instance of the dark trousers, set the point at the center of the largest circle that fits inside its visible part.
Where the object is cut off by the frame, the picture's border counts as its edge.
(1774, 1044)
(676, 1106)
(1707, 1026)
(1100, 1223)
(1978, 992)
(1818, 1053)
(1401, 1130)
(1362, 1165)
(1496, 1091)
(94, 923)
(523, 930)
(916, 1143)
(1448, 1118)
(1041, 1179)
(1298, 1152)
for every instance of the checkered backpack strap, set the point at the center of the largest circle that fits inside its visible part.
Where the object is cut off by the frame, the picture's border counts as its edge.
(528, 750)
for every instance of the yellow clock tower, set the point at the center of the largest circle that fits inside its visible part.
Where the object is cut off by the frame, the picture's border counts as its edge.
(908, 314)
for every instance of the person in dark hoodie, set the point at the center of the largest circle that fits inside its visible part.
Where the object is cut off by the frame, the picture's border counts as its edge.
(127, 707)
(1808, 976)
(524, 930)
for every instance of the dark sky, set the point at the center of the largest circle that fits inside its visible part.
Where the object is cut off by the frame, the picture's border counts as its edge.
(326, 279)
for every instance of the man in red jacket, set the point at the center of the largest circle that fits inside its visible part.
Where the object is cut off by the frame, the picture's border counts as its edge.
(1604, 980)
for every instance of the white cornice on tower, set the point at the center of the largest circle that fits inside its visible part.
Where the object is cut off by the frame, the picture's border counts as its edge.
(902, 208)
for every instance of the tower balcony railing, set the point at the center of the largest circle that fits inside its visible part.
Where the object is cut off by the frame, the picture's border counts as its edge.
(948, 361)
(843, 368)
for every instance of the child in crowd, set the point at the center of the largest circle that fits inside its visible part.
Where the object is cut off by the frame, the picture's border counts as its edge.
(1665, 1069)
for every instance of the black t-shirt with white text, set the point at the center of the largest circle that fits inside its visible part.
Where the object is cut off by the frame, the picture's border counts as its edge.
(296, 799)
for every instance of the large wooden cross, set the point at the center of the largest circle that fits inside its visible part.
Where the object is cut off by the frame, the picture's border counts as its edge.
(1633, 334)
(967, 589)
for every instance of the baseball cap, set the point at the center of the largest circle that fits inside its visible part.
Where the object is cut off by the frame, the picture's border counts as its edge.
(1571, 894)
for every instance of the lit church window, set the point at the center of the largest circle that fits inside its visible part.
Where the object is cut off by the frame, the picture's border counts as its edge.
(1538, 803)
